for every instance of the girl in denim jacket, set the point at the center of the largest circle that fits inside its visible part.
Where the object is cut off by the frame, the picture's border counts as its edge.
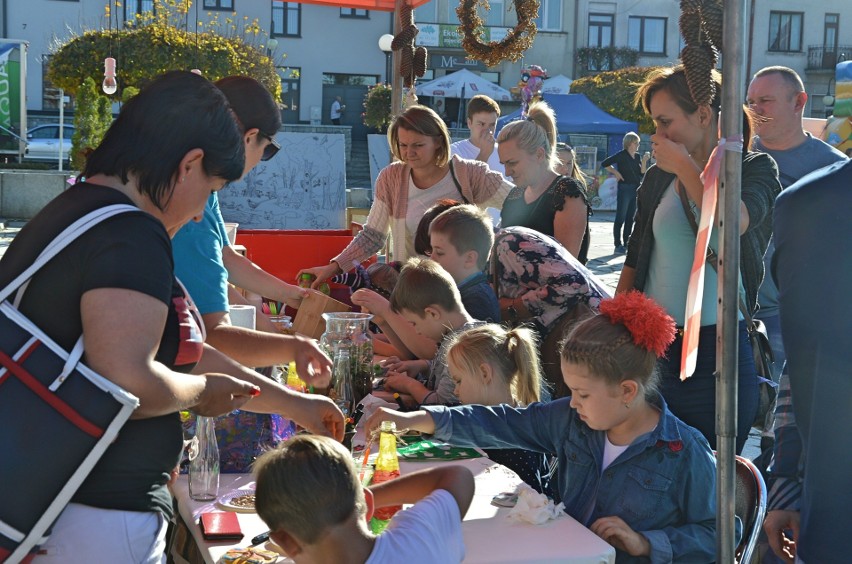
(632, 472)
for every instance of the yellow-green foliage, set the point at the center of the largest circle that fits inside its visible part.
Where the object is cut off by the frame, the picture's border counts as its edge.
(158, 42)
(613, 92)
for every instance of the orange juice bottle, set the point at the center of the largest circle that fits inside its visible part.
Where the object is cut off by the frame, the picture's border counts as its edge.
(387, 468)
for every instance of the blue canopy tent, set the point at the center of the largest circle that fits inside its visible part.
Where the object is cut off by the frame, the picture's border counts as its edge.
(577, 114)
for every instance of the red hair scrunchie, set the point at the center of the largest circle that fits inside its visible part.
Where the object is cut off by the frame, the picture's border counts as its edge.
(648, 323)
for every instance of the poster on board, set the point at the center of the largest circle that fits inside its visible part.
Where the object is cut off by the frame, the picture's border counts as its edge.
(302, 187)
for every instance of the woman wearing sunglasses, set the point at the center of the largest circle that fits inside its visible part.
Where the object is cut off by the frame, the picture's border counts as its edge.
(205, 262)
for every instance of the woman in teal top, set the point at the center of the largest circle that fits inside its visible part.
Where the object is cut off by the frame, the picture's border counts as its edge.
(659, 254)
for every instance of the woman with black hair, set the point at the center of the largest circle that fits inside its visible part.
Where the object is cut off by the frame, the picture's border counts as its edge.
(170, 147)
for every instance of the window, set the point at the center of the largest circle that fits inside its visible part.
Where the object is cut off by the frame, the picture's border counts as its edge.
(350, 79)
(134, 7)
(550, 15)
(354, 13)
(49, 93)
(427, 12)
(647, 35)
(286, 19)
(785, 31)
(492, 17)
(219, 5)
(291, 78)
(600, 30)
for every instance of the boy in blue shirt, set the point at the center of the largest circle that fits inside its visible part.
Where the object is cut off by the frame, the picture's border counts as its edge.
(461, 239)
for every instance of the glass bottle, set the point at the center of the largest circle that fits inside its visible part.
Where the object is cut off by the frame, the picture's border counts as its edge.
(341, 392)
(204, 467)
(387, 468)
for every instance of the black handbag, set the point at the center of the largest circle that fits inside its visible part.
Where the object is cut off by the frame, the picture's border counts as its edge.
(757, 336)
(78, 413)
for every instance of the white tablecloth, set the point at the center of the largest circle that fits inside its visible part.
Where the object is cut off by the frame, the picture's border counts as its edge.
(488, 535)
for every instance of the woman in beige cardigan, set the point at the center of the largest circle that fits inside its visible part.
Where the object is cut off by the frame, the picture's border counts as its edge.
(422, 174)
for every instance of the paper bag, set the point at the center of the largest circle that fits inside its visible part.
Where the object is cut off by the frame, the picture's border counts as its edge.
(309, 321)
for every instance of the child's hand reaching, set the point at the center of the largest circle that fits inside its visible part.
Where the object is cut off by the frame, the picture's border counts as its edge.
(410, 367)
(617, 533)
(414, 420)
(372, 302)
(400, 382)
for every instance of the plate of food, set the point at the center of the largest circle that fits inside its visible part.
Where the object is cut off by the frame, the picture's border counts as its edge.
(240, 501)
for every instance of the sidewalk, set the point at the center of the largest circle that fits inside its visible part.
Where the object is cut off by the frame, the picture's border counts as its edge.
(8, 230)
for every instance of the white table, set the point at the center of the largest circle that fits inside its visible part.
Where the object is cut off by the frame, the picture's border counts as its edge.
(488, 535)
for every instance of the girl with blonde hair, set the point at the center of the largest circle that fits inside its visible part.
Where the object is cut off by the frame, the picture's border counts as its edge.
(493, 365)
(543, 199)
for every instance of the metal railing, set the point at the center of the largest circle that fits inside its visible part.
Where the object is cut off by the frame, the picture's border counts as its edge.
(825, 57)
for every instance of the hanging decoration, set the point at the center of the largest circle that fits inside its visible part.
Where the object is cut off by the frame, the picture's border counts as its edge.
(512, 47)
(412, 60)
(701, 27)
(109, 85)
(532, 80)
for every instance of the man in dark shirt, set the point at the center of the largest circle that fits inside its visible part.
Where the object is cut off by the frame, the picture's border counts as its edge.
(628, 170)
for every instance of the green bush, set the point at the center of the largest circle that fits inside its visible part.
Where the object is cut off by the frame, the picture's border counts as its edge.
(157, 42)
(613, 92)
(377, 107)
(90, 121)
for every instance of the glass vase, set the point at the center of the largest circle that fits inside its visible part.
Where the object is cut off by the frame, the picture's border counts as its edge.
(350, 332)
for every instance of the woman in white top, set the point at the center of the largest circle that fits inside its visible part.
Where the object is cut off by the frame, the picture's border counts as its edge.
(423, 173)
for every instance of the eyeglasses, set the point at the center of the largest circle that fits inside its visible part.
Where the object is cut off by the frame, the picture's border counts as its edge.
(271, 149)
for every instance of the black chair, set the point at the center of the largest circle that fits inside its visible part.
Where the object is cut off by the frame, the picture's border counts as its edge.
(750, 507)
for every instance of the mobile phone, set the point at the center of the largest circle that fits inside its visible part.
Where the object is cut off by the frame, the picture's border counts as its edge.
(505, 499)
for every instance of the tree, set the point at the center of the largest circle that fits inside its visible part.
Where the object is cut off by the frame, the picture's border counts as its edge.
(89, 126)
(614, 91)
(159, 41)
(377, 107)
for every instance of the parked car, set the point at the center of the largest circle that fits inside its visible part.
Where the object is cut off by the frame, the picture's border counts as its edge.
(43, 142)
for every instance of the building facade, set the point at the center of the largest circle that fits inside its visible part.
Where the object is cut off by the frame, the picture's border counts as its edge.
(324, 52)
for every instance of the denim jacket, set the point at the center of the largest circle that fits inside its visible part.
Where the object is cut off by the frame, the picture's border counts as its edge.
(663, 486)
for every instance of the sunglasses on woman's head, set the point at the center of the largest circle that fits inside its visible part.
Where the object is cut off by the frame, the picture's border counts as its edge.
(271, 149)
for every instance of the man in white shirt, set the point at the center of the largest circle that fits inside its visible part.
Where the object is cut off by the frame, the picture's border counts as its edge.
(482, 114)
(336, 110)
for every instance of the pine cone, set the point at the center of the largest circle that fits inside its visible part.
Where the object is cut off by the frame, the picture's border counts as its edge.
(406, 15)
(405, 36)
(712, 18)
(419, 63)
(406, 63)
(690, 26)
(690, 5)
(698, 68)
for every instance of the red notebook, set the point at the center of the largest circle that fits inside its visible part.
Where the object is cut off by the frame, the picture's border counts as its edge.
(221, 526)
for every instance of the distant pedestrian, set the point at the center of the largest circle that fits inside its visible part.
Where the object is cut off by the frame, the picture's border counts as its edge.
(337, 109)
(628, 169)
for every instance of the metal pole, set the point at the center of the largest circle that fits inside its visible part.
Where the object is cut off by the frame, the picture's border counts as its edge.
(396, 83)
(727, 334)
(61, 124)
